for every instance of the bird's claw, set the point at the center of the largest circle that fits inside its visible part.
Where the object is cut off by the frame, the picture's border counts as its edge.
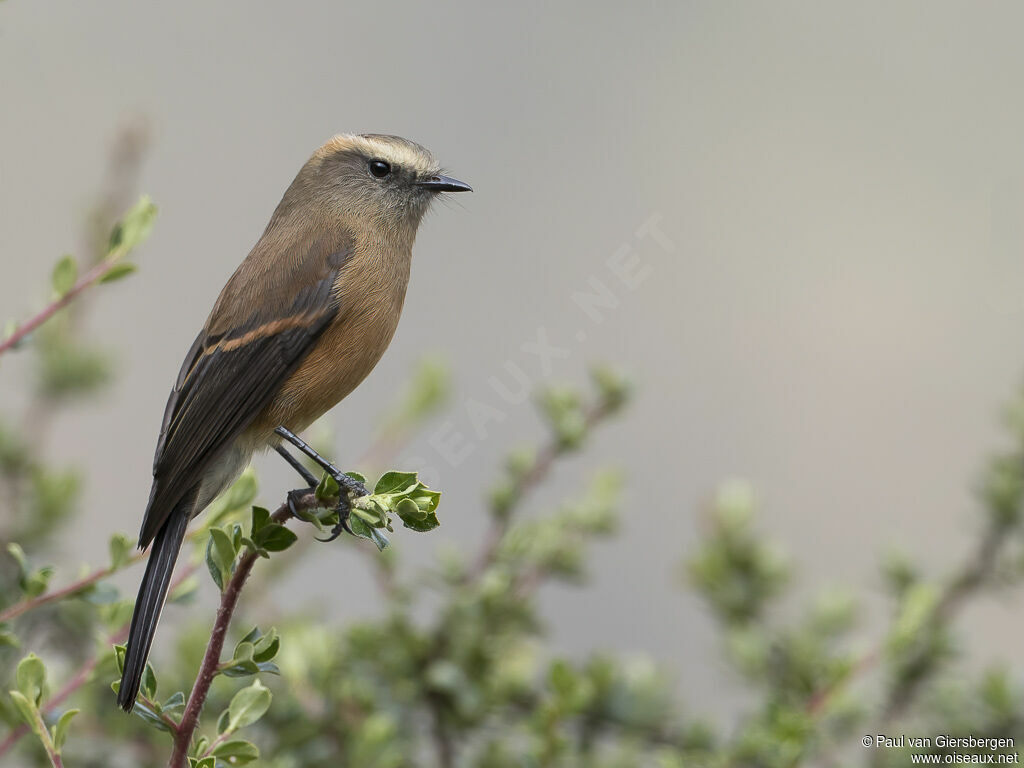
(293, 496)
(349, 488)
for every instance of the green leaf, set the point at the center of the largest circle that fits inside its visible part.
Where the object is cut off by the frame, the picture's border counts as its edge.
(150, 716)
(237, 752)
(244, 651)
(148, 686)
(174, 703)
(327, 488)
(252, 636)
(407, 509)
(211, 564)
(36, 582)
(275, 538)
(8, 638)
(220, 556)
(31, 677)
(222, 722)
(362, 529)
(415, 518)
(372, 516)
(260, 517)
(60, 730)
(426, 499)
(134, 227)
(395, 483)
(247, 706)
(65, 274)
(119, 651)
(241, 669)
(18, 554)
(119, 270)
(200, 746)
(27, 710)
(120, 550)
(267, 646)
(613, 388)
(250, 544)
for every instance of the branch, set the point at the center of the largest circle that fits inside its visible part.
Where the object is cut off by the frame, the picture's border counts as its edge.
(89, 278)
(24, 606)
(211, 660)
(70, 590)
(131, 231)
(526, 482)
(84, 673)
(971, 576)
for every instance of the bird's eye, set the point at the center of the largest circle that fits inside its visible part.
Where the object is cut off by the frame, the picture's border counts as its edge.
(379, 169)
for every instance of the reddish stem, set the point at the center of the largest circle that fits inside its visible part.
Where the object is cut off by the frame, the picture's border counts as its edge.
(211, 660)
(533, 477)
(81, 677)
(27, 605)
(96, 272)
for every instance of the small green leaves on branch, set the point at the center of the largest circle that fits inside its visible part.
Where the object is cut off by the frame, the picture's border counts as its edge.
(28, 699)
(127, 234)
(398, 494)
(570, 417)
(246, 707)
(401, 494)
(132, 230)
(267, 536)
(160, 715)
(119, 270)
(221, 551)
(253, 654)
(736, 570)
(65, 275)
(32, 582)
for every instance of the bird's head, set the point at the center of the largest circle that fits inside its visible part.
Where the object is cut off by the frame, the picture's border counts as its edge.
(373, 177)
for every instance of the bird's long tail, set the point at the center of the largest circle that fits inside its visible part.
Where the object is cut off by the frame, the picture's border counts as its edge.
(150, 602)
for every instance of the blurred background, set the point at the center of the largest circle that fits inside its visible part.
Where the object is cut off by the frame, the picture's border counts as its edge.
(818, 209)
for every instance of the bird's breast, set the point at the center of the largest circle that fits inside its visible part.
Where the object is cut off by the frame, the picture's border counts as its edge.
(348, 349)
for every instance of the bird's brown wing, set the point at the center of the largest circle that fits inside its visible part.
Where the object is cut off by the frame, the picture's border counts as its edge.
(267, 319)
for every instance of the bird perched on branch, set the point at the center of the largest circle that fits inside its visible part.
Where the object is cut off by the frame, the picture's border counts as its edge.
(298, 326)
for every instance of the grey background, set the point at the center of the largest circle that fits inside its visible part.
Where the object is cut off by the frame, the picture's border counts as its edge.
(838, 320)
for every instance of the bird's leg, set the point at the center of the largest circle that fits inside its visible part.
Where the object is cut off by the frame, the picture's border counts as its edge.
(309, 477)
(298, 466)
(348, 486)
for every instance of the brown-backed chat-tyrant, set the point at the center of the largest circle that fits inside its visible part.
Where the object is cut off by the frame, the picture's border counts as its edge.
(298, 326)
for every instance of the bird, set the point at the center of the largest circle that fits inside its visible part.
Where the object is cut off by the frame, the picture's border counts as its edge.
(301, 322)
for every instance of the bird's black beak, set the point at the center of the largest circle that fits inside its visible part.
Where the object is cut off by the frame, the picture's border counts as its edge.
(444, 184)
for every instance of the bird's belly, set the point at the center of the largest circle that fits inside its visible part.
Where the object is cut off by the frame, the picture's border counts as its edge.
(337, 364)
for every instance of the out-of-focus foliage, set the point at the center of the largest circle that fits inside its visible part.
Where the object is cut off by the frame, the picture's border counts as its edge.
(452, 668)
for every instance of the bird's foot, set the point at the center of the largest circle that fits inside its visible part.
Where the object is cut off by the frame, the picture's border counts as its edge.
(293, 500)
(349, 489)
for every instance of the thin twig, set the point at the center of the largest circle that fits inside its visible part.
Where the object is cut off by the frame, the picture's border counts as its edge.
(974, 573)
(524, 483)
(71, 589)
(211, 659)
(81, 677)
(971, 576)
(13, 611)
(89, 278)
(126, 157)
